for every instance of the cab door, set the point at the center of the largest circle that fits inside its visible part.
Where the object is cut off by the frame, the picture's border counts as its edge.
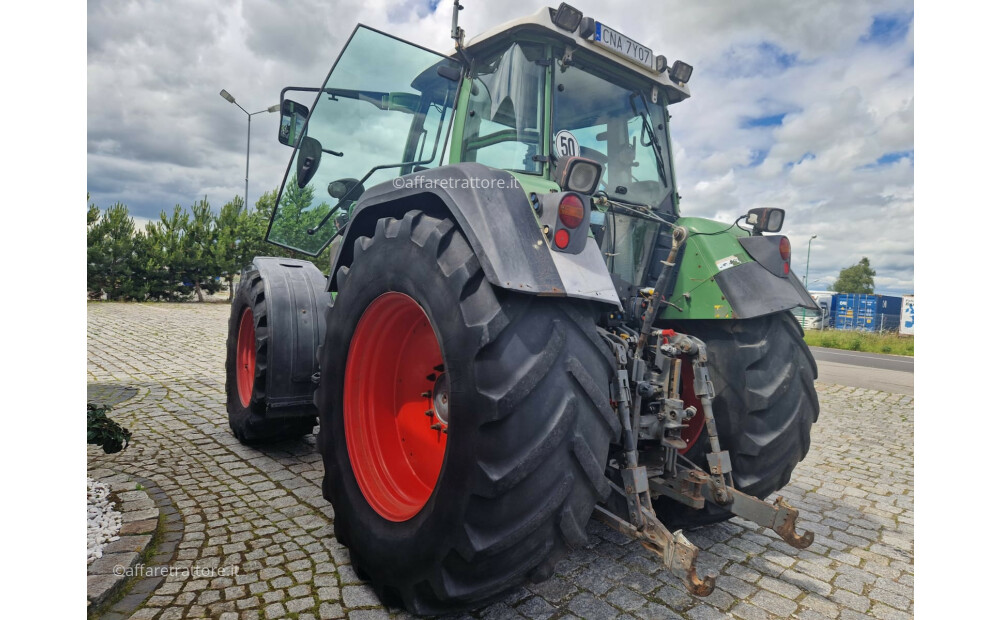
(383, 111)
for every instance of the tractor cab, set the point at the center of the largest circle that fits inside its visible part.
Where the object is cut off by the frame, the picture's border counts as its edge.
(522, 98)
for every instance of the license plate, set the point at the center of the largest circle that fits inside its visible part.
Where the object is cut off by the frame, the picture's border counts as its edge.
(623, 46)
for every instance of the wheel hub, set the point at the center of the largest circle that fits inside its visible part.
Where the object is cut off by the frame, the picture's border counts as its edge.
(440, 400)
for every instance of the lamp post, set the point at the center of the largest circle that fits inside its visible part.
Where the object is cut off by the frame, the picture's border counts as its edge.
(246, 181)
(808, 254)
(805, 279)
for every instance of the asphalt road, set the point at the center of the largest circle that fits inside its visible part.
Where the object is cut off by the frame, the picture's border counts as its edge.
(868, 360)
(888, 373)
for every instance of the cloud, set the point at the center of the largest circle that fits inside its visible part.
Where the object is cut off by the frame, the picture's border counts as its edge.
(805, 105)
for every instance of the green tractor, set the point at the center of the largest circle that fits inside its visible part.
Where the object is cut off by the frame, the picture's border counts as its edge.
(519, 330)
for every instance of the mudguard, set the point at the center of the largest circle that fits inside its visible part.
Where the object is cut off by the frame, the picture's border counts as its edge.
(752, 290)
(728, 275)
(296, 300)
(493, 212)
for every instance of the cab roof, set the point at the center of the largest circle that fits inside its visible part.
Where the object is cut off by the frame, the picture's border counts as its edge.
(541, 21)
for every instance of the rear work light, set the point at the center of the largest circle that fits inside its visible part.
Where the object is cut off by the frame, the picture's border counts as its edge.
(785, 249)
(571, 212)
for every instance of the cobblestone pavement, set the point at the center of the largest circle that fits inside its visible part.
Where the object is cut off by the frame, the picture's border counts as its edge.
(262, 510)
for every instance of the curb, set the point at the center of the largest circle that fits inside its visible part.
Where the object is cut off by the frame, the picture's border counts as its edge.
(140, 518)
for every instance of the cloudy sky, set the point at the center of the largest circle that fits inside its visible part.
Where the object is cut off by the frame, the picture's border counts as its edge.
(805, 105)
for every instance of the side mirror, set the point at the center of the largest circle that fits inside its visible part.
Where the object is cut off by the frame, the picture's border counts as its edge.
(310, 151)
(766, 220)
(293, 122)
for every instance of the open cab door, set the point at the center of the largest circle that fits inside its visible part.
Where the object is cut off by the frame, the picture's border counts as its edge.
(384, 111)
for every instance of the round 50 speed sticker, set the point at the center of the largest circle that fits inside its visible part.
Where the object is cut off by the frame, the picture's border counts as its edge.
(566, 145)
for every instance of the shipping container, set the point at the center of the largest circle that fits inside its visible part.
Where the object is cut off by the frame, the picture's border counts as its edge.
(868, 312)
(906, 319)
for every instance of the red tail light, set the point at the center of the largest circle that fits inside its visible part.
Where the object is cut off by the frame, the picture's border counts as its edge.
(785, 249)
(571, 212)
(561, 238)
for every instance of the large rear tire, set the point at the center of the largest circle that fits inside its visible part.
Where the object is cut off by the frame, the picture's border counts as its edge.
(441, 522)
(765, 405)
(246, 372)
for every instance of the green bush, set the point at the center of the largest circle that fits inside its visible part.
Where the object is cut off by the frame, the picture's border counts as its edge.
(105, 432)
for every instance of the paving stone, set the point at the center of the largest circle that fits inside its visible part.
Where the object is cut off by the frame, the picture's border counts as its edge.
(300, 604)
(588, 606)
(330, 611)
(536, 607)
(359, 596)
(100, 587)
(849, 599)
(773, 603)
(750, 612)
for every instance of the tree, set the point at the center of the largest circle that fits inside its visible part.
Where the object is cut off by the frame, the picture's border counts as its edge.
(241, 235)
(859, 278)
(111, 254)
(199, 265)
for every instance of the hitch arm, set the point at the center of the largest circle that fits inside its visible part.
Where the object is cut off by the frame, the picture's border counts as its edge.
(779, 516)
(678, 554)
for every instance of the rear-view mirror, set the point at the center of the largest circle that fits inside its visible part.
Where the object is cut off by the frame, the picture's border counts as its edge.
(293, 122)
(766, 220)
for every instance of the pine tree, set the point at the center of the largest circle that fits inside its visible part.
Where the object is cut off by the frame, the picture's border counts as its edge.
(111, 254)
(199, 262)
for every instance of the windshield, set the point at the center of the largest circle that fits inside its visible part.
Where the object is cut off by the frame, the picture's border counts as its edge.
(382, 113)
(619, 127)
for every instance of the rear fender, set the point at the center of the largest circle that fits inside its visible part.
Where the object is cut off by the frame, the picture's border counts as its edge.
(718, 278)
(493, 212)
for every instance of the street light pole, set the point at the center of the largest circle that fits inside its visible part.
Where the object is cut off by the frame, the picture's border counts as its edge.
(805, 279)
(246, 181)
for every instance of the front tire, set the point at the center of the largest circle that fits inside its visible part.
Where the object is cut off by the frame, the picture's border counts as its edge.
(765, 406)
(246, 372)
(528, 420)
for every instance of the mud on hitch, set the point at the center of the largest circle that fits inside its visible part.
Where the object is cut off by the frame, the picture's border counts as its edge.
(647, 399)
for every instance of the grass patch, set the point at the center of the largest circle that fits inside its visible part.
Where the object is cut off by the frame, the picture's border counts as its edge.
(867, 342)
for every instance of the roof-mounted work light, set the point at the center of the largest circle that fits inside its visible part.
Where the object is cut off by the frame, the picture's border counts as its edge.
(567, 17)
(681, 72)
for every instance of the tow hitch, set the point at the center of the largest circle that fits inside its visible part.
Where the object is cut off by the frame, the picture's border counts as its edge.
(646, 396)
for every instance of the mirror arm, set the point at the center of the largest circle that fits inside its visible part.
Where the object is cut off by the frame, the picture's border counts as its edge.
(334, 153)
